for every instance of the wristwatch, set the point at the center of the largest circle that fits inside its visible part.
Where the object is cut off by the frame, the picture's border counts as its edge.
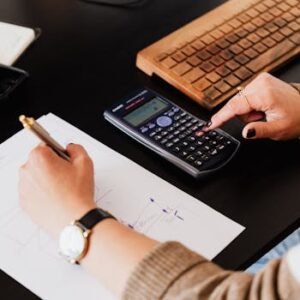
(74, 238)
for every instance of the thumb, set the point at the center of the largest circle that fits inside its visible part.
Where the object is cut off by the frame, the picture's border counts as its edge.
(260, 130)
(76, 152)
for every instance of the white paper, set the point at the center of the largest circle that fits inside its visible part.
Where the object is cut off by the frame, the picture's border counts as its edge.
(135, 196)
(14, 41)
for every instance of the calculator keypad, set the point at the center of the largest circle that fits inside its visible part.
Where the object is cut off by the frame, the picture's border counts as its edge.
(175, 131)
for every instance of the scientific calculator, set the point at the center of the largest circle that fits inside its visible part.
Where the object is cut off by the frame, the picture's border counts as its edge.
(170, 131)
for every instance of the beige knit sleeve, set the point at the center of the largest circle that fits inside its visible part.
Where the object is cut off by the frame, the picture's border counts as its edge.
(172, 271)
(296, 86)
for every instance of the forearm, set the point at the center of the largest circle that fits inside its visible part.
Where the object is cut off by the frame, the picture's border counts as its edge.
(114, 252)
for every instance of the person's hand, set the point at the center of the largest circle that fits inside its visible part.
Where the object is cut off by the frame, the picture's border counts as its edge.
(53, 191)
(272, 110)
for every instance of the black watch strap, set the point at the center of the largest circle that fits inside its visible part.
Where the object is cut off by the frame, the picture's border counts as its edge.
(93, 217)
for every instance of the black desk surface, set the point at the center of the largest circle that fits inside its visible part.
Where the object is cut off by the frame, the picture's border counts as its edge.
(85, 60)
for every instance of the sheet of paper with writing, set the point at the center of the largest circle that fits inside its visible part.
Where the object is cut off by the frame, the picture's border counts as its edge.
(139, 199)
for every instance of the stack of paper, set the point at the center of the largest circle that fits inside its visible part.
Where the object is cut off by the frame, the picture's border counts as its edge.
(13, 42)
(136, 197)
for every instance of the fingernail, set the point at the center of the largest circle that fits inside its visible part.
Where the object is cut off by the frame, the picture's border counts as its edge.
(251, 133)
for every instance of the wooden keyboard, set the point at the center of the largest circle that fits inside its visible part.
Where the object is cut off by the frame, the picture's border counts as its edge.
(210, 57)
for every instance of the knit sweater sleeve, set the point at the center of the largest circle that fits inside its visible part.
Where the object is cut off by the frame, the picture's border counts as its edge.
(171, 271)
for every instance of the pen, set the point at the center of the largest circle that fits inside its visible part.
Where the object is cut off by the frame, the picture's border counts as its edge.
(44, 136)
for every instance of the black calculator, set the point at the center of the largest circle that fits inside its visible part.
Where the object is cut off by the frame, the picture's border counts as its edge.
(168, 130)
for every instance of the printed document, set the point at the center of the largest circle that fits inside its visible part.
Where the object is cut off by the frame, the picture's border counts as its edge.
(138, 198)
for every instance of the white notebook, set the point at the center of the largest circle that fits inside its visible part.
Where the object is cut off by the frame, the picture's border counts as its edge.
(14, 40)
(138, 199)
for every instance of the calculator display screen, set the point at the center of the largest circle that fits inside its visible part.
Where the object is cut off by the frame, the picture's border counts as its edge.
(145, 112)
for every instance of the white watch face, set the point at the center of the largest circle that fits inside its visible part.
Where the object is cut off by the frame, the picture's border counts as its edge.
(72, 242)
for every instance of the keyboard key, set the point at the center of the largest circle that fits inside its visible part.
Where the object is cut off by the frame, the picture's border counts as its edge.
(270, 56)
(242, 59)
(198, 45)
(251, 53)
(217, 61)
(232, 65)
(226, 54)
(188, 50)
(213, 49)
(193, 75)
(269, 42)
(207, 67)
(207, 39)
(260, 47)
(254, 38)
(232, 38)
(212, 93)
(181, 68)
(179, 56)
(204, 55)
(278, 37)
(169, 62)
(222, 86)
(232, 80)
(194, 61)
(245, 43)
(202, 84)
(213, 77)
(236, 49)
(295, 38)
(223, 71)
(243, 73)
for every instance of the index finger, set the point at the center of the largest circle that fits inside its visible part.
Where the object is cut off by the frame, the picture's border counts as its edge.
(238, 105)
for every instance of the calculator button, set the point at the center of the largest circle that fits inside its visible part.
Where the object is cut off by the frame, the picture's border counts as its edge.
(220, 138)
(164, 121)
(170, 136)
(194, 121)
(191, 139)
(163, 141)
(189, 124)
(159, 129)
(191, 158)
(170, 128)
(176, 132)
(183, 153)
(144, 129)
(151, 125)
(176, 140)
(158, 137)
(184, 144)
(199, 142)
(182, 121)
(206, 138)
(188, 118)
(169, 145)
(213, 152)
(204, 157)
(183, 114)
(212, 143)
(220, 147)
(164, 133)
(228, 142)
(176, 149)
(191, 149)
(206, 148)
(198, 163)
(177, 124)
(182, 136)
(175, 109)
(199, 153)
(152, 134)
(177, 117)
(212, 133)
(171, 114)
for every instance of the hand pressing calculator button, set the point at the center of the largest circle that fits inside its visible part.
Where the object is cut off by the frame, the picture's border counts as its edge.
(167, 129)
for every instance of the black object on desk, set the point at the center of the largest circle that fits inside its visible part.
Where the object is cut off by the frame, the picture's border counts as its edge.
(10, 79)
